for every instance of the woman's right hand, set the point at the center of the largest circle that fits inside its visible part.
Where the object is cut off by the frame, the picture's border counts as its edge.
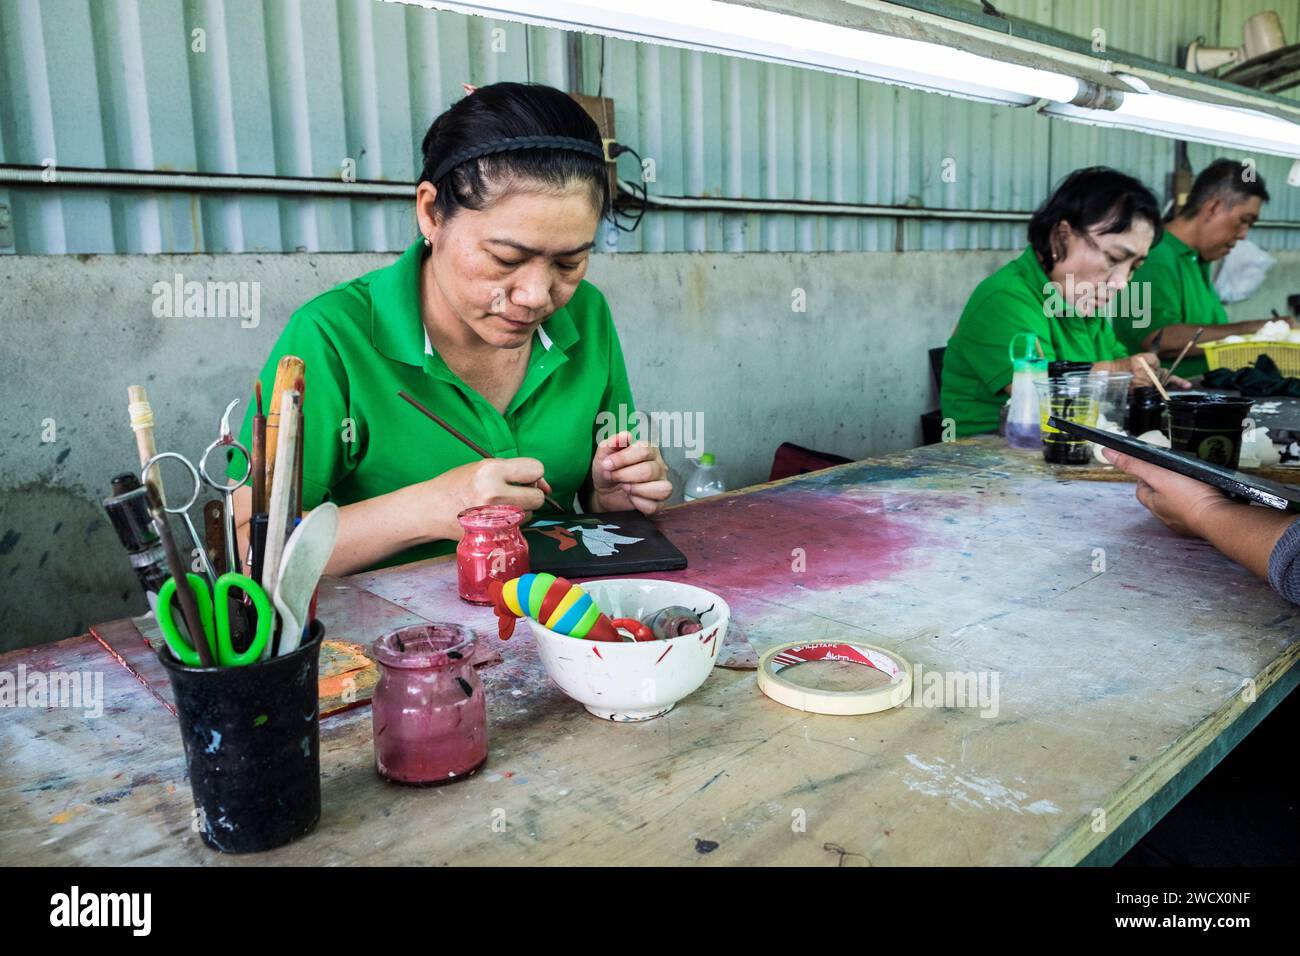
(493, 481)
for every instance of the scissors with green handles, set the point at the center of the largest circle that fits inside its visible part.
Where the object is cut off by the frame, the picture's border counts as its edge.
(214, 612)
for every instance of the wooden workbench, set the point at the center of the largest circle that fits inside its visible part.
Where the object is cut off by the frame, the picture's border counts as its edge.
(1120, 653)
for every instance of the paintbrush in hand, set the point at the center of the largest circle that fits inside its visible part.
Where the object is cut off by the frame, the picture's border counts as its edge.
(467, 441)
(1190, 344)
(1155, 378)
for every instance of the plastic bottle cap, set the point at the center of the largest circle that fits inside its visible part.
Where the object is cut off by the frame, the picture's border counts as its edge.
(706, 459)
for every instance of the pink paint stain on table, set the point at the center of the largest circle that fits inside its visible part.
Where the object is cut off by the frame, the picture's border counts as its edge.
(751, 545)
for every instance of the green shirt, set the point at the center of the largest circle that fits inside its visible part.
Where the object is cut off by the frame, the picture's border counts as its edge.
(1177, 290)
(363, 341)
(977, 363)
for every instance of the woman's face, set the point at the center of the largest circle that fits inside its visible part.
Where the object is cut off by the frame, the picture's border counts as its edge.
(503, 270)
(1092, 266)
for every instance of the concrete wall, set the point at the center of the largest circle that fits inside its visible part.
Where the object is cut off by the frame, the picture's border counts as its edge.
(707, 333)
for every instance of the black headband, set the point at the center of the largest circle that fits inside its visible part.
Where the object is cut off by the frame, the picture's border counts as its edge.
(570, 143)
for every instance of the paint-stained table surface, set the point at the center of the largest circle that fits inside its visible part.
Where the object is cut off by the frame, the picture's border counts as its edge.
(1120, 653)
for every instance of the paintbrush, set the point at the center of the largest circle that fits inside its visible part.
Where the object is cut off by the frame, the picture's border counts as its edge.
(142, 423)
(1155, 378)
(483, 452)
(287, 372)
(1191, 342)
(280, 522)
(189, 605)
(295, 502)
(259, 454)
(1155, 343)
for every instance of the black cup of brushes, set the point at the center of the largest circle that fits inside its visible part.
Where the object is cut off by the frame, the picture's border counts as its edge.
(252, 746)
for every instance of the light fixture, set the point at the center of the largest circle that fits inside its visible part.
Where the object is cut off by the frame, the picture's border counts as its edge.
(731, 29)
(1177, 117)
(726, 28)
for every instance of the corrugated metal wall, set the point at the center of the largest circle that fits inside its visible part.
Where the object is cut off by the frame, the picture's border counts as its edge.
(298, 87)
(1157, 30)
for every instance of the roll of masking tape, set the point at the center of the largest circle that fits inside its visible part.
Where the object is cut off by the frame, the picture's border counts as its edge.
(840, 702)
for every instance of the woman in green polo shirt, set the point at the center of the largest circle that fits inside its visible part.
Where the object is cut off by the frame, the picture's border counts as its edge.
(486, 320)
(1084, 242)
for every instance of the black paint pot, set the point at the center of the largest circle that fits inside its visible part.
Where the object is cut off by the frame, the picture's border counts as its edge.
(252, 746)
(1208, 426)
(1146, 411)
(1061, 368)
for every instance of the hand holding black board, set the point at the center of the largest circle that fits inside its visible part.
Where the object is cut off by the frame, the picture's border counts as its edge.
(596, 545)
(1258, 490)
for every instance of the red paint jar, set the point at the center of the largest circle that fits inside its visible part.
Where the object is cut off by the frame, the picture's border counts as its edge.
(429, 711)
(493, 547)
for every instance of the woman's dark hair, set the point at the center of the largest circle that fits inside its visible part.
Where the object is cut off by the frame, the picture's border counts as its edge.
(506, 111)
(1090, 198)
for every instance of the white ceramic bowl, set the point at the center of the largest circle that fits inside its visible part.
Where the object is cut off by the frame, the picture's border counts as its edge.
(635, 681)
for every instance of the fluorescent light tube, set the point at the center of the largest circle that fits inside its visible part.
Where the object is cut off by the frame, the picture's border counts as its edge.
(1179, 118)
(726, 28)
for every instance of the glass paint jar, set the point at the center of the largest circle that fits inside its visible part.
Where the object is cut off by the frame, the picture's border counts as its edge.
(429, 711)
(493, 547)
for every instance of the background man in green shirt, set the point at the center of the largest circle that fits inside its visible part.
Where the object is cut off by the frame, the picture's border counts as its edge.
(1224, 203)
(1083, 245)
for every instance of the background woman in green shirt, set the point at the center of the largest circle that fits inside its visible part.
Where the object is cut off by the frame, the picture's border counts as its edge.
(1084, 243)
(485, 319)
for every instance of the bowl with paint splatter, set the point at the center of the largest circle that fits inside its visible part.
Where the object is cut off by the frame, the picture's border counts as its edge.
(631, 681)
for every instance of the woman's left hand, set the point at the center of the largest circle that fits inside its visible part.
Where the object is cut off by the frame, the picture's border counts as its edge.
(629, 475)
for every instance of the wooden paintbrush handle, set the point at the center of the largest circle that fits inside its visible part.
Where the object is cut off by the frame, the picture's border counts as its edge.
(141, 413)
(279, 520)
(214, 535)
(259, 463)
(1155, 379)
(287, 373)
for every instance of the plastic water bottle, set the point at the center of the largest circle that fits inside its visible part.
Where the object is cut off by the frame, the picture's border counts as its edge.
(706, 480)
(1023, 417)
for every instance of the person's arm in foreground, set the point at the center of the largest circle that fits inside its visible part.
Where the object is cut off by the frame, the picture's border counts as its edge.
(1248, 534)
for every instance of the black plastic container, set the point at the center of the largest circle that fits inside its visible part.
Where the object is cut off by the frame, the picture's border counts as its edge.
(1146, 410)
(1061, 368)
(1059, 450)
(1208, 426)
(252, 746)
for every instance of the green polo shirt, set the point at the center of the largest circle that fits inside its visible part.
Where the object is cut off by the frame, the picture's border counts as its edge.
(1178, 290)
(977, 364)
(363, 342)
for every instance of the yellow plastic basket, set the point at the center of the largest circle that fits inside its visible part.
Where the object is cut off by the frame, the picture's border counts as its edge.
(1241, 354)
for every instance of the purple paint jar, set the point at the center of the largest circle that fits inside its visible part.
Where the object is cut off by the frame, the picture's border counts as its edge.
(429, 710)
